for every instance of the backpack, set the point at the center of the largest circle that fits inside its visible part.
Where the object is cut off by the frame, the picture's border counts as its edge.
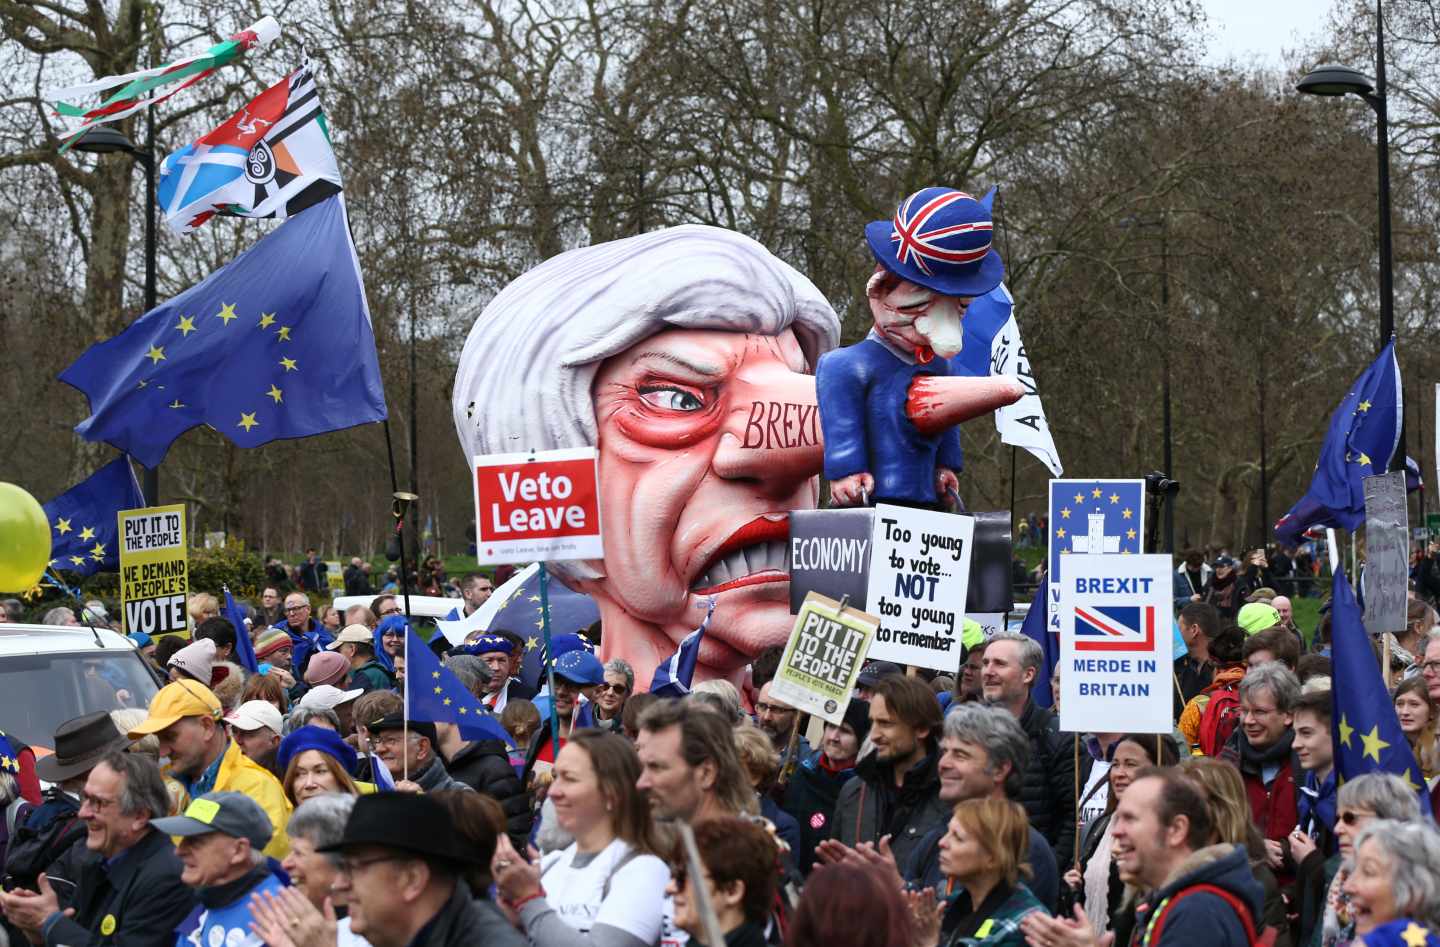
(1220, 718)
(1155, 927)
(47, 833)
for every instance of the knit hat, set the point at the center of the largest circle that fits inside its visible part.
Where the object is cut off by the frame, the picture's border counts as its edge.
(325, 740)
(326, 667)
(269, 641)
(857, 718)
(196, 659)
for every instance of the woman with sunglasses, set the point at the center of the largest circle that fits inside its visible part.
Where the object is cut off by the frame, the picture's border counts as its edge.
(611, 695)
(608, 885)
(1360, 801)
(738, 860)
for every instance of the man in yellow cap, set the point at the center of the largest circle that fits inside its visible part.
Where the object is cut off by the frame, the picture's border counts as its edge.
(186, 718)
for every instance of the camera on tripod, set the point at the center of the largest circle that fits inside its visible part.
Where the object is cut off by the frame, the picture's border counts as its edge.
(1158, 484)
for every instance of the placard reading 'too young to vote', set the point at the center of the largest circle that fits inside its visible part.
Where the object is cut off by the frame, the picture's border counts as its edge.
(919, 575)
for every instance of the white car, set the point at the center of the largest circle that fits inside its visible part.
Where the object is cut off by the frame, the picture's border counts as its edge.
(52, 673)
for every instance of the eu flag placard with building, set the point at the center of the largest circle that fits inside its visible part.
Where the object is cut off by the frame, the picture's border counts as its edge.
(84, 538)
(1090, 517)
(275, 344)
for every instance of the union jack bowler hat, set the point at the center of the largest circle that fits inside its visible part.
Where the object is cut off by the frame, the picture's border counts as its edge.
(939, 238)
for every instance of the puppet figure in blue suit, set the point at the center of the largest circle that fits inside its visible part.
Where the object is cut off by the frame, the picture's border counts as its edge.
(889, 404)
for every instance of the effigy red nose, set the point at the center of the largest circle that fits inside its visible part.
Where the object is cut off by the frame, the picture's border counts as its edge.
(936, 403)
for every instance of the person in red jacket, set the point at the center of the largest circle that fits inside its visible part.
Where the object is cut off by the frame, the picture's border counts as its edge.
(1261, 748)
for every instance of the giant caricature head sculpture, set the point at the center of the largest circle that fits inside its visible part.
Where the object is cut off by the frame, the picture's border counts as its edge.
(685, 356)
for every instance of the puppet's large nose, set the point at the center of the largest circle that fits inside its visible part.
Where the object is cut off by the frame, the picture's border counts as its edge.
(935, 403)
(773, 432)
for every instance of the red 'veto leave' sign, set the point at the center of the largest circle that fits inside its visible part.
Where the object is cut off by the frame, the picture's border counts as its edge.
(542, 506)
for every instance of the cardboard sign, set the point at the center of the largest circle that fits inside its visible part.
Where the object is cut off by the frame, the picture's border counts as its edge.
(830, 553)
(919, 574)
(1116, 661)
(154, 570)
(1091, 517)
(823, 657)
(538, 506)
(1387, 550)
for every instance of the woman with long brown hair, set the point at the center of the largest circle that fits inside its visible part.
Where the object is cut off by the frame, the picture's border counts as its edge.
(1419, 716)
(609, 881)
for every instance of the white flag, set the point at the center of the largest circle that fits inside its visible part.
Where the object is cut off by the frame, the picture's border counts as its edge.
(1023, 423)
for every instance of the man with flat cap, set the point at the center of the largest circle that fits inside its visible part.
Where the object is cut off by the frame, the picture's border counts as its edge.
(411, 751)
(222, 838)
(400, 870)
(128, 884)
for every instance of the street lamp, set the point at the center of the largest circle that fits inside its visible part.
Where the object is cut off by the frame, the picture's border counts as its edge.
(104, 140)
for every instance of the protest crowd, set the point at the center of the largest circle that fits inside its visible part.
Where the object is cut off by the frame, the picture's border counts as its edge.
(302, 805)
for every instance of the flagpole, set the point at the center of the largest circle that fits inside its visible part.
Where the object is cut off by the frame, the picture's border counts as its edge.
(400, 504)
(550, 661)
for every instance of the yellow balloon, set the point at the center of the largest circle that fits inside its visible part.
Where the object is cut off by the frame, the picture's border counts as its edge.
(24, 539)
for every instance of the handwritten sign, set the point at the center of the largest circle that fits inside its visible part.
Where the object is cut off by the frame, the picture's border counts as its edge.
(1387, 551)
(919, 575)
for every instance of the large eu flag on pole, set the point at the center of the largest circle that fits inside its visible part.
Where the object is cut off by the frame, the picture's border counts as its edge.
(275, 344)
(1366, 731)
(434, 693)
(84, 532)
(1363, 434)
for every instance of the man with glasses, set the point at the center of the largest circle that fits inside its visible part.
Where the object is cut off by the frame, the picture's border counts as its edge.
(410, 750)
(401, 871)
(1261, 748)
(222, 839)
(128, 890)
(777, 720)
(306, 634)
(1430, 666)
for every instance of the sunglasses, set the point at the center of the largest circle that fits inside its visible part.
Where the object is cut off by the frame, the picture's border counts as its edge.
(1350, 818)
(614, 688)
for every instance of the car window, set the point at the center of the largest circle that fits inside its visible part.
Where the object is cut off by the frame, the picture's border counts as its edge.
(38, 692)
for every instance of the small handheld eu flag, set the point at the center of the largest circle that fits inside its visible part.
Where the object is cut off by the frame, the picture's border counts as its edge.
(84, 532)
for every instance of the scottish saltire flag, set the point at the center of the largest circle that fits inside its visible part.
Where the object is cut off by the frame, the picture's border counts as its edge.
(1363, 434)
(674, 675)
(1114, 628)
(434, 693)
(84, 533)
(270, 159)
(380, 774)
(1367, 734)
(244, 647)
(275, 344)
(1090, 517)
(1034, 628)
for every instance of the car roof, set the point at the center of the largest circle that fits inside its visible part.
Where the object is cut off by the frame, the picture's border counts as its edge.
(20, 638)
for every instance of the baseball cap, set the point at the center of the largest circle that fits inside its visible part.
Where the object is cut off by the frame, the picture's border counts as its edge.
(176, 700)
(580, 667)
(1256, 617)
(254, 714)
(328, 696)
(229, 813)
(353, 634)
(1223, 561)
(871, 673)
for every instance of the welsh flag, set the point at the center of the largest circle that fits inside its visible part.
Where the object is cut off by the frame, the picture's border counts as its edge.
(271, 159)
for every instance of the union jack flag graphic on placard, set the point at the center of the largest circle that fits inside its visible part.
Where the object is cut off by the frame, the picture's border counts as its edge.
(946, 241)
(1114, 628)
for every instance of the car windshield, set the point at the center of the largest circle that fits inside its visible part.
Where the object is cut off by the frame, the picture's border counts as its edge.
(38, 692)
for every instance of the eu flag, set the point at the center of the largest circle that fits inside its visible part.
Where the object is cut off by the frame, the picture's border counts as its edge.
(84, 533)
(1363, 434)
(244, 647)
(1034, 628)
(434, 693)
(275, 344)
(570, 613)
(1367, 734)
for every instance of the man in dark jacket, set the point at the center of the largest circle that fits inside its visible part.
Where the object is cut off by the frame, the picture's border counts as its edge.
(895, 791)
(814, 788)
(1048, 792)
(411, 751)
(484, 765)
(128, 885)
(1160, 829)
(401, 862)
